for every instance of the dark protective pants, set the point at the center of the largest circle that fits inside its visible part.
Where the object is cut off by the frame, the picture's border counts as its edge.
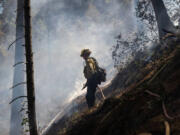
(91, 90)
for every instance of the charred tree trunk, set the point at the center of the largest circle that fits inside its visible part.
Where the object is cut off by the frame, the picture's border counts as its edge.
(163, 19)
(19, 75)
(29, 70)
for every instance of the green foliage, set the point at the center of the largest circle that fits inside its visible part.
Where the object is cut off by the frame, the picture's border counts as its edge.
(24, 121)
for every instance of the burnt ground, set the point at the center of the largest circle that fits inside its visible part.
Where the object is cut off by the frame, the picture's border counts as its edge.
(146, 108)
(143, 99)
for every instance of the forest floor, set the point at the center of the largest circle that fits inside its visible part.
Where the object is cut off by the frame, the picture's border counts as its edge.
(147, 106)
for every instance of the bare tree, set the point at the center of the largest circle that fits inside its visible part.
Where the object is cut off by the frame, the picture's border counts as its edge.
(29, 70)
(162, 18)
(19, 75)
(154, 12)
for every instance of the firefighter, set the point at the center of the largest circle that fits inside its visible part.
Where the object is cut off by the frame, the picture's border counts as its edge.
(91, 74)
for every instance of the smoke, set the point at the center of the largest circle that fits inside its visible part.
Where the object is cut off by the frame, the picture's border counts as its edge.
(61, 29)
(66, 31)
(6, 72)
(1, 8)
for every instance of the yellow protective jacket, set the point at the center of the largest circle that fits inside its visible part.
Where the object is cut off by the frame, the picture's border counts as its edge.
(90, 67)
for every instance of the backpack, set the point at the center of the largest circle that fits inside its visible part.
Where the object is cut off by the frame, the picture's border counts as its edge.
(101, 72)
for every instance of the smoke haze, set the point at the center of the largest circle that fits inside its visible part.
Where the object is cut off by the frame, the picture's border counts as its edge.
(61, 29)
(68, 28)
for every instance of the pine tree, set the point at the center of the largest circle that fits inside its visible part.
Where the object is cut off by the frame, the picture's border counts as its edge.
(29, 70)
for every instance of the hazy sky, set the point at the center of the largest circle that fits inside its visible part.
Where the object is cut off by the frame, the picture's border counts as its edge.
(61, 30)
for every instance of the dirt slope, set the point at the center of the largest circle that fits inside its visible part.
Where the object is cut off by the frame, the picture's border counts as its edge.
(149, 106)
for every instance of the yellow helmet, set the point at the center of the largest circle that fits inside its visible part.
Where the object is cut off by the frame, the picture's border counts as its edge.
(85, 52)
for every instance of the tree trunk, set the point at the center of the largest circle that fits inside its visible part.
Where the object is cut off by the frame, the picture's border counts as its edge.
(19, 76)
(29, 70)
(163, 19)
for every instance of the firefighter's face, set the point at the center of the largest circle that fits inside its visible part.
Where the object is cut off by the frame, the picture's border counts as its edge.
(85, 56)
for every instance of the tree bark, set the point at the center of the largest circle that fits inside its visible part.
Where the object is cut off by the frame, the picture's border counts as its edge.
(29, 70)
(162, 17)
(19, 75)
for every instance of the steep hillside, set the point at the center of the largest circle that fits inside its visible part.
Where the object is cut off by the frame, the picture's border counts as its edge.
(142, 98)
(150, 106)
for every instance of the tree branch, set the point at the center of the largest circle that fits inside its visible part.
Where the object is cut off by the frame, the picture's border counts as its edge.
(18, 85)
(163, 106)
(18, 63)
(158, 72)
(14, 42)
(152, 94)
(17, 98)
(22, 109)
(165, 111)
(167, 127)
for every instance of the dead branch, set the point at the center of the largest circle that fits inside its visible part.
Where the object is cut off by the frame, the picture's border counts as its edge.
(168, 35)
(165, 111)
(171, 33)
(152, 94)
(101, 92)
(167, 128)
(22, 109)
(163, 105)
(18, 63)
(158, 72)
(166, 114)
(17, 98)
(18, 84)
(14, 42)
